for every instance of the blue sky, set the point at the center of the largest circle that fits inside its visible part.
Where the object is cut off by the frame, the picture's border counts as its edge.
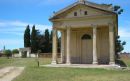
(16, 14)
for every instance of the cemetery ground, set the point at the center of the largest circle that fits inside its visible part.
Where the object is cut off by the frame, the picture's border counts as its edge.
(34, 73)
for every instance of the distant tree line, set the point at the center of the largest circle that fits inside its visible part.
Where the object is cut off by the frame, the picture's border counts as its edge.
(8, 53)
(37, 41)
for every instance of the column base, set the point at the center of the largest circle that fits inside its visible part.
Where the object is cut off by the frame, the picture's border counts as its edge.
(95, 63)
(53, 62)
(111, 63)
(68, 63)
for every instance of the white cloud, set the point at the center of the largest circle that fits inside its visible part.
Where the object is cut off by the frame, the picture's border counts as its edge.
(12, 23)
(2, 24)
(124, 29)
(18, 27)
(18, 23)
(124, 32)
(13, 32)
(10, 41)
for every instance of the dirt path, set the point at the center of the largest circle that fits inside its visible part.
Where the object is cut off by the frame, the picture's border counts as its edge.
(9, 73)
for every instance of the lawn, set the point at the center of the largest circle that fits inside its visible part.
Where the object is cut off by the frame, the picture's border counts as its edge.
(34, 73)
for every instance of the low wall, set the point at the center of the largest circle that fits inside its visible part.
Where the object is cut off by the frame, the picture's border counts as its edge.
(48, 55)
(41, 55)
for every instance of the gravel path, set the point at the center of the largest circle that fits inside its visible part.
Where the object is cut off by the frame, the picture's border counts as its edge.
(9, 73)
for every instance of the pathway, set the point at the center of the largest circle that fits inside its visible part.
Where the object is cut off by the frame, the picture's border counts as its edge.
(9, 73)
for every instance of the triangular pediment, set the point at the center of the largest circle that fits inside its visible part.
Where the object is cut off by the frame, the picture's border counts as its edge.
(81, 10)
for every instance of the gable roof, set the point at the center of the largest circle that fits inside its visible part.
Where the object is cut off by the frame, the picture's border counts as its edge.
(103, 7)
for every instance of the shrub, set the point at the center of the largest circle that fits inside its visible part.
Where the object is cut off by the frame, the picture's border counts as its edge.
(8, 53)
(15, 51)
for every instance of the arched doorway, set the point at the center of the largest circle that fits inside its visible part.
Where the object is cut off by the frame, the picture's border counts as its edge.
(86, 52)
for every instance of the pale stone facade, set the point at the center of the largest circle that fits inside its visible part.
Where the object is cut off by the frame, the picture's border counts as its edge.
(88, 33)
(22, 50)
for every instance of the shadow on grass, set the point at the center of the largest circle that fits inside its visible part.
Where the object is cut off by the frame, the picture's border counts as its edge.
(121, 63)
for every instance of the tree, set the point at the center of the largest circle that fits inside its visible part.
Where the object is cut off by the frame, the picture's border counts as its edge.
(119, 46)
(39, 40)
(42, 42)
(15, 51)
(33, 40)
(7, 53)
(47, 41)
(27, 42)
(118, 9)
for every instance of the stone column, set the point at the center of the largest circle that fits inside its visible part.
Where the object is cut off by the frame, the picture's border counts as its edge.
(68, 46)
(62, 46)
(95, 45)
(111, 44)
(54, 47)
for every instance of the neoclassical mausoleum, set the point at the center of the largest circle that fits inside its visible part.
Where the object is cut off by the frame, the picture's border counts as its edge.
(88, 32)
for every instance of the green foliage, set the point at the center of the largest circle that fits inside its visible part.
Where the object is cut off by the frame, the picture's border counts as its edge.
(27, 37)
(47, 41)
(15, 51)
(41, 43)
(118, 9)
(44, 41)
(119, 46)
(8, 53)
(34, 40)
(38, 41)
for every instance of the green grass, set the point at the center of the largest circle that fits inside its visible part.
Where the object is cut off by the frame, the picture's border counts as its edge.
(33, 73)
(127, 61)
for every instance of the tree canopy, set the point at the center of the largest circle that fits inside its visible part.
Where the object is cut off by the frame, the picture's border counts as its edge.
(39, 41)
(27, 42)
(119, 45)
(34, 40)
(8, 53)
(15, 51)
(118, 9)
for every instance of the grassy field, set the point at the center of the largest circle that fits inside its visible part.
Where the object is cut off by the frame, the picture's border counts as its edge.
(34, 73)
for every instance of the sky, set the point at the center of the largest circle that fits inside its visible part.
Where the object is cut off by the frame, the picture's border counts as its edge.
(15, 15)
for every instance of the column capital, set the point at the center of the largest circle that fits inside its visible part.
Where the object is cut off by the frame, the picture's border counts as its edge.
(110, 23)
(62, 31)
(111, 27)
(94, 25)
(54, 32)
(68, 27)
(54, 28)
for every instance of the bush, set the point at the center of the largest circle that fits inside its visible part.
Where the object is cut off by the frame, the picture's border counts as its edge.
(8, 53)
(14, 51)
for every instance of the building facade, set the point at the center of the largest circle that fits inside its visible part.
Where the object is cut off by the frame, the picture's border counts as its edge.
(88, 32)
